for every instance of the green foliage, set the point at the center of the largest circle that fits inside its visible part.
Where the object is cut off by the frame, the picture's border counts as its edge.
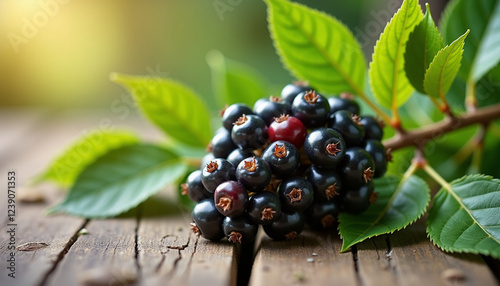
(388, 79)
(482, 17)
(401, 201)
(171, 106)
(444, 68)
(120, 180)
(423, 44)
(464, 216)
(234, 82)
(66, 167)
(316, 47)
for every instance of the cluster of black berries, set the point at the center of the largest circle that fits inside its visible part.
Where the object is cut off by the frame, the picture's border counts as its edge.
(289, 161)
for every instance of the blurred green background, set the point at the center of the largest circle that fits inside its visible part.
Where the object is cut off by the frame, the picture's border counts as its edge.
(60, 53)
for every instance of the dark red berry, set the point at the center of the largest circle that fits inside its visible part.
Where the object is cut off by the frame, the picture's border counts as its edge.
(231, 198)
(287, 128)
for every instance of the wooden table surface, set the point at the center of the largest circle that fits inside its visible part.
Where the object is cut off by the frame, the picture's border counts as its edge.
(152, 244)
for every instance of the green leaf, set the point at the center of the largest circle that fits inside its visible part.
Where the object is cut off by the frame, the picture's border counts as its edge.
(120, 180)
(482, 17)
(316, 47)
(401, 201)
(234, 82)
(444, 68)
(66, 167)
(423, 44)
(173, 107)
(464, 216)
(388, 79)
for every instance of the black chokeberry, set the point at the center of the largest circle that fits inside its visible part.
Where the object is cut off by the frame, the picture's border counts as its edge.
(240, 229)
(215, 172)
(238, 155)
(231, 198)
(194, 187)
(311, 108)
(324, 147)
(343, 102)
(288, 226)
(288, 128)
(207, 221)
(322, 215)
(282, 157)
(209, 157)
(290, 91)
(268, 109)
(357, 168)
(296, 194)
(349, 126)
(233, 112)
(373, 128)
(249, 132)
(222, 144)
(254, 174)
(264, 208)
(357, 200)
(327, 183)
(377, 151)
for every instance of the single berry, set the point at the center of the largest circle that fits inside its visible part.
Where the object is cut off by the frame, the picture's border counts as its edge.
(239, 229)
(327, 183)
(324, 147)
(282, 157)
(207, 221)
(349, 126)
(296, 194)
(287, 128)
(357, 168)
(288, 226)
(215, 172)
(322, 215)
(194, 187)
(311, 108)
(373, 129)
(231, 198)
(379, 155)
(264, 208)
(290, 91)
(254, 174)
(238, 155)
(343, 102)
(249, 132)
(222, 144)
(270, 108)
(357, 200)
(232, 113)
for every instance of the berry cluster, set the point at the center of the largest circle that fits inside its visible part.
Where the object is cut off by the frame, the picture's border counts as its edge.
(301, 158)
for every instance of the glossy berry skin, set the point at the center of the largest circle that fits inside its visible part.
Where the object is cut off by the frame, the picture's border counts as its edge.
(233, 112)
(352, 132)
(270, 108)
(254, 174)
(372, 127)
(322, 215)
(356, 201)
(288, 226)
(339, 103)
(231, 198)
(288, 128)
(311, 108)
(296, 194)
(327, 183)
(222, 144)
(240, 229)
(290, 91)
(195, 188)
(324, 147)
(206, 159)
(357, 168)
(377, 151)
(208, 220)
(264, 208)
(283, 158)
(215, 172)
(238, 155)
(249, 132)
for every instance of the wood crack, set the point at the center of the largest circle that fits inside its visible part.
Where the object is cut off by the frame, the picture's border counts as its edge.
(354, 251)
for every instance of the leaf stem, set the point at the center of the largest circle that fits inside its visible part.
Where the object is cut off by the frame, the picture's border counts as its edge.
(373, 106)
(470, 96)
(434, 175)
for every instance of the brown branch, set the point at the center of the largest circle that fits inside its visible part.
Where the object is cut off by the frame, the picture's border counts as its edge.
(422, 135)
